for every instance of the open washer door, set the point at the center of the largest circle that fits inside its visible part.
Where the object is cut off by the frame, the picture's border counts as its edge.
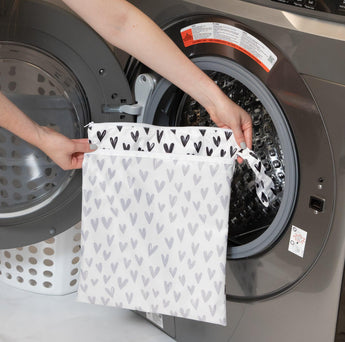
(61, 74)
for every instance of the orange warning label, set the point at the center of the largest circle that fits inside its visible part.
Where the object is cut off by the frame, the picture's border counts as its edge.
(234, 37)
(187, 37)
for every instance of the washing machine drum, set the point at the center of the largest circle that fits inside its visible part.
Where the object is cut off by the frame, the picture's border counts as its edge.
(248, 218)
(252, 227)
(59, 81)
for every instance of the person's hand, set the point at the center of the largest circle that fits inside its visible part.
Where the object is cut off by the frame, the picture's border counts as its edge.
(65, 152)
(228, 114)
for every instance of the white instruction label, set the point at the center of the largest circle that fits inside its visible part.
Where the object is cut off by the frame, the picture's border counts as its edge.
(211, 32)
(155, 318)
(298, 239)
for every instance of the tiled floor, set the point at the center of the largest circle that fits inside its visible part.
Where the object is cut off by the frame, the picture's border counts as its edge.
(29, 317)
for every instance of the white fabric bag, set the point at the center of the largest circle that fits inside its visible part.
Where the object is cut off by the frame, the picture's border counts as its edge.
(155, 218)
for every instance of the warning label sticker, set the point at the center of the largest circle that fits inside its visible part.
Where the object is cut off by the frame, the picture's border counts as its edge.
(298, 239)
(211, 32)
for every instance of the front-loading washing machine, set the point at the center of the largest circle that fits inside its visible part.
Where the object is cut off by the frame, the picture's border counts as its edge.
(283, 64)
(61, 74)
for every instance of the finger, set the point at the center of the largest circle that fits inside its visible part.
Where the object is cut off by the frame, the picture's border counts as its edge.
(239, 160)
(239, 137)
(248, 136)
(82, 140)
(79, 163)
(77, 160)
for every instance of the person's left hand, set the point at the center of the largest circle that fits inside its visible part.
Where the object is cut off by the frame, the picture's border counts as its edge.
(65, 152)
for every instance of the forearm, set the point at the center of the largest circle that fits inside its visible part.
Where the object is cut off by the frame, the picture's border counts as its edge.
(15, 121)
(67, 153)
(126, 27)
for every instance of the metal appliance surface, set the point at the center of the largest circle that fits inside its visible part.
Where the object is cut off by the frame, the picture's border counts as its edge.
(294, 91)
(273, 294)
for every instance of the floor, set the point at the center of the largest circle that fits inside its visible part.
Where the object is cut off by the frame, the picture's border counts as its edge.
(30, 317)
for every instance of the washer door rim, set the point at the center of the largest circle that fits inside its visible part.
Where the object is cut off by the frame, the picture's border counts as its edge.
(231, 68)
(84, 58)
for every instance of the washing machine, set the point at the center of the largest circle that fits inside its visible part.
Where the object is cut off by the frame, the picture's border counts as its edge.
(282, 62)
(62, 75)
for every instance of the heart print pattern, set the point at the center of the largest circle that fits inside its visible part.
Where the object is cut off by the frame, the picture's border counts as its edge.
(155, 219)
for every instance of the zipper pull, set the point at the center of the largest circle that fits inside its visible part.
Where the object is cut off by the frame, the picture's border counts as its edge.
(90, 123)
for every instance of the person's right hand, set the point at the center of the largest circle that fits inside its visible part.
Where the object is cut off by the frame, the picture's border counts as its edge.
(227, 114)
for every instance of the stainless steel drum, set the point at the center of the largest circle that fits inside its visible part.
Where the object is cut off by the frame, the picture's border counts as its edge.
(248, 217)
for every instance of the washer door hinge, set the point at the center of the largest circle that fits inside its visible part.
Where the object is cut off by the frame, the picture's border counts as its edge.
(143, 89)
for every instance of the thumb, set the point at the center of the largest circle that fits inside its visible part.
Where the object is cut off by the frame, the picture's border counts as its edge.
(83, 146)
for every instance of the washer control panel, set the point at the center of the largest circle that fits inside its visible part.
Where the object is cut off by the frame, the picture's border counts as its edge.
(328, 6)
(333, 10)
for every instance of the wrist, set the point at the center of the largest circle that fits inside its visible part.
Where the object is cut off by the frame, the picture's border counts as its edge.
(39, 136)
(216, 102)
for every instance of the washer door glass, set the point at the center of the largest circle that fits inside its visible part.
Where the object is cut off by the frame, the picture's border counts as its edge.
(47, 92)
(252, 227)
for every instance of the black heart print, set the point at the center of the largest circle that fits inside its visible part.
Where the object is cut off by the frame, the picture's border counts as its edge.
(159, 135)
(264, 198)
(184, 140)
(113, 141)
(209, 151)
(135, 136)
(232, 151)
(216, 140)
(202, 131)
(228, 135)
(126, 147)
(258, 166)
(101, 135)
(150, 146)
(168, 149)
(198, 146)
